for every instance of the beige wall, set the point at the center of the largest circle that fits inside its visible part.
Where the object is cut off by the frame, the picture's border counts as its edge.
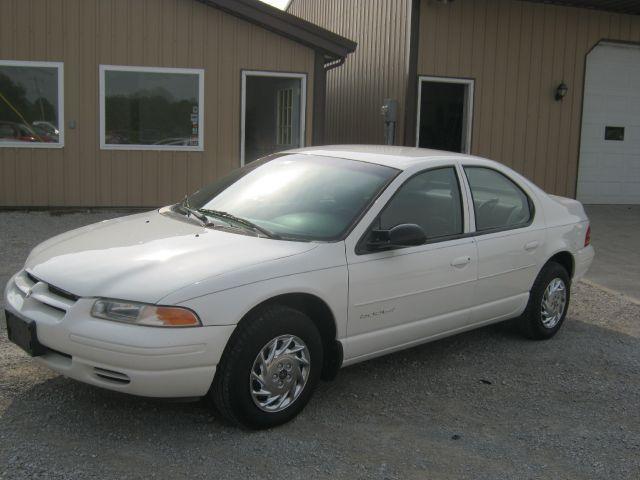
(518, 52)
(164, 33)
(377, 69)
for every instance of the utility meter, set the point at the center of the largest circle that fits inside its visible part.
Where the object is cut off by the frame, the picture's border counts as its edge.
(389, 112)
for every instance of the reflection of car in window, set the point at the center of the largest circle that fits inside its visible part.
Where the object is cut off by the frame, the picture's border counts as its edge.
(49, 128)
(16, 132)
(173, 141)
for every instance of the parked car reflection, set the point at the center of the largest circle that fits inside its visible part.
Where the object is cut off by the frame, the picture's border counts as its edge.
(18, 132)
(174, 141)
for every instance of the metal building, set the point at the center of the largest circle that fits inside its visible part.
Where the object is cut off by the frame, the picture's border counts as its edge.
(550, 87)
(136, 103)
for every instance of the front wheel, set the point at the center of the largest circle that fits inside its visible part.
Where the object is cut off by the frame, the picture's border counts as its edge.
(269, 369)
(548, 303)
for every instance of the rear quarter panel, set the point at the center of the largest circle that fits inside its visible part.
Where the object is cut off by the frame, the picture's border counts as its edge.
(567, 224)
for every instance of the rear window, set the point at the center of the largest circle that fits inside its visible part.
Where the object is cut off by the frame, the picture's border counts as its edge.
(497, 201)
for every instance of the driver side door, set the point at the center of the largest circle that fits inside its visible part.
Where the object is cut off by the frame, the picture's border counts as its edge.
(403, 296)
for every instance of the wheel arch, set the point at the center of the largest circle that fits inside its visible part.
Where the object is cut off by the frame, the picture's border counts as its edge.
(564, 258)
(323, 318)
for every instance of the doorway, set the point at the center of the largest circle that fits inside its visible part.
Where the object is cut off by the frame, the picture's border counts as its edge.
(445, 112)
(273, 113)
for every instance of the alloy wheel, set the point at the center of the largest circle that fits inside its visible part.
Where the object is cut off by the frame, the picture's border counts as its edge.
(554, 302)
(279, 373)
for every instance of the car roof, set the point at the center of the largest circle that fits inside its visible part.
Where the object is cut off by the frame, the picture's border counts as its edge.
(391, 156)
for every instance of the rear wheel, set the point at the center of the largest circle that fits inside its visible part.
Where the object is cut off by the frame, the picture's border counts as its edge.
(269, 369)
(548, 303)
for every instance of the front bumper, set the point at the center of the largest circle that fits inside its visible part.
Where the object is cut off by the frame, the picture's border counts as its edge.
(140, 360)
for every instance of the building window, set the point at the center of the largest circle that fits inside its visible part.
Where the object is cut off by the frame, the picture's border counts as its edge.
(31, 104)
(145, 108)
(273, 113)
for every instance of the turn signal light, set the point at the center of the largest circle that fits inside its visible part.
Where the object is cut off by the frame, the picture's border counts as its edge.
(175, 317)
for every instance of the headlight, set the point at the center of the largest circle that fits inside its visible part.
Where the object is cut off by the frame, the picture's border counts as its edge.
(143, 314)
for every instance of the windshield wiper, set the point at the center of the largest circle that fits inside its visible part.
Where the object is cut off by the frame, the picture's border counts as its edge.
(191, 212)
(242, 221)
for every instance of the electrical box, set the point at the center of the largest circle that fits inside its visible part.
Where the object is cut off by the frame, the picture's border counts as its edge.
(389, 110)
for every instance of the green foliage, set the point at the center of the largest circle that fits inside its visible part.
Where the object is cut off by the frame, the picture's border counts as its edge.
(40, 109)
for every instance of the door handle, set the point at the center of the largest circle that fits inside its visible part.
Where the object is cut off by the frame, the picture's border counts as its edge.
(531, 245)
(460, 261)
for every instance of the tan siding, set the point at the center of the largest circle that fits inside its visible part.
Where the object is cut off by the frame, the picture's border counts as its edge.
(376, 71)
(162, 33)
(520, 52)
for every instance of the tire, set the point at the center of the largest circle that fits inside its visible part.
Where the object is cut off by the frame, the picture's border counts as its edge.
(233, 387)
(541, 324)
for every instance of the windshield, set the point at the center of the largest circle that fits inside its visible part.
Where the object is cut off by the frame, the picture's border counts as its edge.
(298, 197)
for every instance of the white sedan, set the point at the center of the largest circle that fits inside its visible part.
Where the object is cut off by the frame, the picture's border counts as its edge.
(258, 285)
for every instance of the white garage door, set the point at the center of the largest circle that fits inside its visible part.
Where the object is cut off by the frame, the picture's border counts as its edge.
(609, 168)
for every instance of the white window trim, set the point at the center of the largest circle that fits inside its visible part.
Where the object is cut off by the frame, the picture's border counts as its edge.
(243, 103)
(171, 148)
(60, 67)
(469, 113)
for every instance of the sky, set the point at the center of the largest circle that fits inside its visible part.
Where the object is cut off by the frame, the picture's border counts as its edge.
(281, 4)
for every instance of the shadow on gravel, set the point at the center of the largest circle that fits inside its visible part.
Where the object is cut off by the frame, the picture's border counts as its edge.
(485, 404)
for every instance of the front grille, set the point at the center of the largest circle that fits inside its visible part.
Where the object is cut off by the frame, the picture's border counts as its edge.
(49, 295)
(31, 277)
(63, 293)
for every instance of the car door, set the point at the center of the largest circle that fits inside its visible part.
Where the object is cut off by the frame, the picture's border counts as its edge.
(402, 296)
(510, 238)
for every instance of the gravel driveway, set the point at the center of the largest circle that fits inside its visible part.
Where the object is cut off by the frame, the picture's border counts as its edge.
(482, 405)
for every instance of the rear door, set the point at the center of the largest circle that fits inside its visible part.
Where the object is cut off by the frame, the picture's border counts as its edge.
(404, 295)
(510, 238)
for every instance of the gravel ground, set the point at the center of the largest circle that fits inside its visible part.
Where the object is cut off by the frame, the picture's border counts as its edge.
(482, 405)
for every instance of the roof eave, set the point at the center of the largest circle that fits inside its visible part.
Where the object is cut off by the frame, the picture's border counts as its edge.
(630, 7)
(333, 46)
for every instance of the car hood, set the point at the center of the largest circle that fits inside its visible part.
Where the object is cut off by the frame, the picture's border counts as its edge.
(145, 257)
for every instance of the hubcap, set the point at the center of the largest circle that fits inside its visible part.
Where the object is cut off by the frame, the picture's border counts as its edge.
(279, 373)
(554, 302)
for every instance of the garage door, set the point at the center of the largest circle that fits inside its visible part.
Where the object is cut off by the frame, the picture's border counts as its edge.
(609, 168)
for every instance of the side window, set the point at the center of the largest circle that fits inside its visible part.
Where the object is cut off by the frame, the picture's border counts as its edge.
(430, 199)
(497, 201)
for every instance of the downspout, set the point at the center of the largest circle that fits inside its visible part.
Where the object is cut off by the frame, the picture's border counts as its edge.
(411, 93)
(322, 66)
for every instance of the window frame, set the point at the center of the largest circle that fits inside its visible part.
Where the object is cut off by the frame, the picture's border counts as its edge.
(361, 247)
(139, 69)
(60, 68)
(486, 231)
(243, 103)
(468, 128)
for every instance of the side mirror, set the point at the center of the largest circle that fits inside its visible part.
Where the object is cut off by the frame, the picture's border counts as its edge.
(403, 235)
(406, 235)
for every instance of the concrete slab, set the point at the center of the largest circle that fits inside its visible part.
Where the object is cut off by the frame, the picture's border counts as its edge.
(615, 235)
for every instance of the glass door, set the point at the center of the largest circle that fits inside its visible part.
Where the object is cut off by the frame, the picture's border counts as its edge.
(273, 113)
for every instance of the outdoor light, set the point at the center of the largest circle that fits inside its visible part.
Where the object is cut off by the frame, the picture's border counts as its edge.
(561, 91)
